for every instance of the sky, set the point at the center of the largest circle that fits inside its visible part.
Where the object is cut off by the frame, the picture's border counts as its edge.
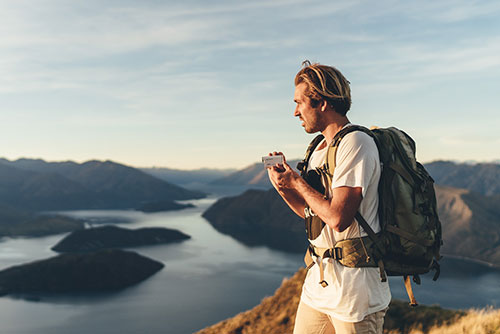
(198, 83)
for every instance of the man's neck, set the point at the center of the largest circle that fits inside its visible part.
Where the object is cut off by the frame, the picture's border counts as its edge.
(332, 128)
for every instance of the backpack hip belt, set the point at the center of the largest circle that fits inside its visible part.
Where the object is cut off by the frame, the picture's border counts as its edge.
(352, 253)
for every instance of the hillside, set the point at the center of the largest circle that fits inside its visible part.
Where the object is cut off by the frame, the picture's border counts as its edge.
(482, 178)
(471, 222)
(256, 218)
(276, 314)
(16, 222)
(39, 185)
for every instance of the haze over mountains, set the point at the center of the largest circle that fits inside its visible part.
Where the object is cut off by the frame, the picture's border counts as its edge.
(17, 222)
(254, 175)
(190, 179)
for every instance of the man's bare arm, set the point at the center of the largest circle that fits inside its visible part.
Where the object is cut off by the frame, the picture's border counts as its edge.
(337, 212)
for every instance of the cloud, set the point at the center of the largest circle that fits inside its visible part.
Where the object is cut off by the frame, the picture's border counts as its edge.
(433, 12)
(226, 64)
(68, 34)
(406, 66)
(452, 12)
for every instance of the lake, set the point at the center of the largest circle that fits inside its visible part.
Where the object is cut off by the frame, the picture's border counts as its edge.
(206, 279)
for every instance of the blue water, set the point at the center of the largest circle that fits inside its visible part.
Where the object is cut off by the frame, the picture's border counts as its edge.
(206, 279)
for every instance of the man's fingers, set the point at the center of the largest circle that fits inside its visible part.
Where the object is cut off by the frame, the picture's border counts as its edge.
(279, 168)
(281, 153)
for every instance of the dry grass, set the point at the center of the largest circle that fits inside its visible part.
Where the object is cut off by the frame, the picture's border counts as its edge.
(485, 321)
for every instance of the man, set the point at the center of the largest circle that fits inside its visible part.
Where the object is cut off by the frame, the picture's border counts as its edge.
(335, 298)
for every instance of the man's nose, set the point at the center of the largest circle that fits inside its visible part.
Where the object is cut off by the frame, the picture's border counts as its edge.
(296, 112)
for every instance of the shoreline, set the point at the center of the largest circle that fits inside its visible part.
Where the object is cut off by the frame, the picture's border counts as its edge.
(465, 258)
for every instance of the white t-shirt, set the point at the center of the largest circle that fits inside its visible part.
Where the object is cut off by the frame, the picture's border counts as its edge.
(352, 293)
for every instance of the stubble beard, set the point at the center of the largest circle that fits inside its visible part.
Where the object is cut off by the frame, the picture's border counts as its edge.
(313, 126)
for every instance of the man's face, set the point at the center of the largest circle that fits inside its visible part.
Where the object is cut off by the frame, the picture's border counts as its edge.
(304, 111)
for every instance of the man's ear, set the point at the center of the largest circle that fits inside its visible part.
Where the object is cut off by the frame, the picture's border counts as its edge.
(324, 105)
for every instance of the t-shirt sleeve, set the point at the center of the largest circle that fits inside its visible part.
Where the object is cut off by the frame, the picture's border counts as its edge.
(356, 160)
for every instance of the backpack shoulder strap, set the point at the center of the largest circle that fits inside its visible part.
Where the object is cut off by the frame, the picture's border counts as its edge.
(302, 165)
(331, 155)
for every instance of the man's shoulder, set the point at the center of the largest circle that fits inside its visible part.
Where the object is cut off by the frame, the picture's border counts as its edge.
(358, 138)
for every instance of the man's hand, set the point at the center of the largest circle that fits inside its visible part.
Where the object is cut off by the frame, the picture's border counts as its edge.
(283, 179)
(282, 176)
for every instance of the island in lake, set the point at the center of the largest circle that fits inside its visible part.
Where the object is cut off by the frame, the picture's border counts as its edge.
(101, 271)
(109, 236)
(160, 206)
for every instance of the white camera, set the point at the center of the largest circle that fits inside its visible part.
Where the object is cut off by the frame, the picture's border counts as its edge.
(272, 160)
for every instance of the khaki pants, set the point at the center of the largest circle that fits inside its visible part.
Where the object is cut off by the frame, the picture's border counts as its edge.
(311, 321)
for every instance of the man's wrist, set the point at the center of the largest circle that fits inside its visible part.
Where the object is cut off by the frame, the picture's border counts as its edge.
(295, 182)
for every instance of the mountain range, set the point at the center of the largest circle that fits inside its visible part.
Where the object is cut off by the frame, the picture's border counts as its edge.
(35, 184)
(482, 178)
(254, 175)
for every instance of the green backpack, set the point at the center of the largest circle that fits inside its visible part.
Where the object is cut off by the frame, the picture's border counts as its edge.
(410, 237)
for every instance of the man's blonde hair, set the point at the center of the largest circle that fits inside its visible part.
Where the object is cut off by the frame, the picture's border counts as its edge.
(325, 83)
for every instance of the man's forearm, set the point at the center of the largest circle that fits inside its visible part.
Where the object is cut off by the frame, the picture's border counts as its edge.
(313, 198)
(337, 212)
